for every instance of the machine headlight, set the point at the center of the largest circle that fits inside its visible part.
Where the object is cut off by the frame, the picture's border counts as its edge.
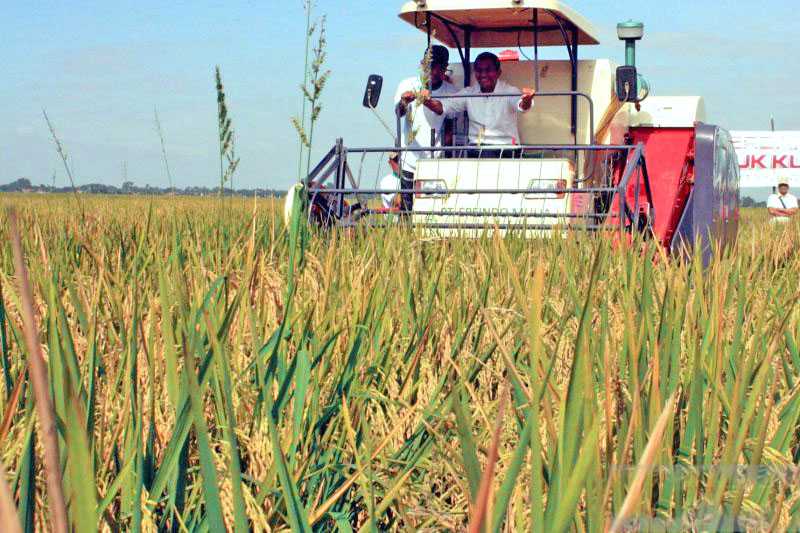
(430, 188)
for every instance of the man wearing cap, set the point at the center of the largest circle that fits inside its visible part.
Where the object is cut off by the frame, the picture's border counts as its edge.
(422, 128)
(783, 205)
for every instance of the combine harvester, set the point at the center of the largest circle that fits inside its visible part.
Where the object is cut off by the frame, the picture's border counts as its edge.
(597, 153)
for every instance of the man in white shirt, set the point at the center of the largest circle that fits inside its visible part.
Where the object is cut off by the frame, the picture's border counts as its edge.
(783, 205)
(391, 182)
(422, 128)
(492, 120)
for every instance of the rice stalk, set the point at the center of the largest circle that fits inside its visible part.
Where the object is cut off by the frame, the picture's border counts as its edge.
(228, 161)
(221, 369)
(62, 154)
(315, 77)
(164, 158)
(37, 369)
(8, 510)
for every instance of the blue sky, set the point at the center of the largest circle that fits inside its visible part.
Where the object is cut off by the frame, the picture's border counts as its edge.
(100, 68)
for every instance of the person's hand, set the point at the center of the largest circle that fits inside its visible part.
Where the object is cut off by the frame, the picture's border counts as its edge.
(408, 97)
(527, 98)
(431, 103)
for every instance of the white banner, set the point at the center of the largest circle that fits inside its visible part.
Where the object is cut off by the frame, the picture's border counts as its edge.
(766, 156)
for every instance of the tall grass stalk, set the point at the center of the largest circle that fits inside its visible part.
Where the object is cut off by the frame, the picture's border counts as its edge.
(8, 509)
(164, 158)
(228, 161)
(315, 79)
(62, 154)
(300, 124)
(425, 83)
(37, 369)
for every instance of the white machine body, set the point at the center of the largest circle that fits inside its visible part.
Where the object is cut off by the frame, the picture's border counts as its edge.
(548, 123)
(435, 177)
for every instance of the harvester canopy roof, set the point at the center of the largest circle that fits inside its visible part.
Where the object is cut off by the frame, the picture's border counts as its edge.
(498, 23)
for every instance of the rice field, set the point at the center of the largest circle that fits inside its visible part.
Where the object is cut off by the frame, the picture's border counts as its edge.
(213, 370)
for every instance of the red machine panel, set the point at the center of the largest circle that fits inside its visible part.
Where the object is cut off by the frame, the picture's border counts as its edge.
(669, 155)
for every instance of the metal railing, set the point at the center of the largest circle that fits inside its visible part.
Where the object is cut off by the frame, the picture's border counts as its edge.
(333, 185)
(575, 95)
(552, 94)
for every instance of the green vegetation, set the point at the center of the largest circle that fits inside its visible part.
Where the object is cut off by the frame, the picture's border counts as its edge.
(211, 369)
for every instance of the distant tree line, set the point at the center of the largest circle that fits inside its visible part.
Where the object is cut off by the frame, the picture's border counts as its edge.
(749, 202)
(25, 185)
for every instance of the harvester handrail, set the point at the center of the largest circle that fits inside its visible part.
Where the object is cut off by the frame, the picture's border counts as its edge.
(335, 161)
(516, 95)
(446, 192)
(317, 169)
(488, 214)
(532, 147)
(636, 160)
(483, 226)
(477, 95)
(502, 147)
(638, 154)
